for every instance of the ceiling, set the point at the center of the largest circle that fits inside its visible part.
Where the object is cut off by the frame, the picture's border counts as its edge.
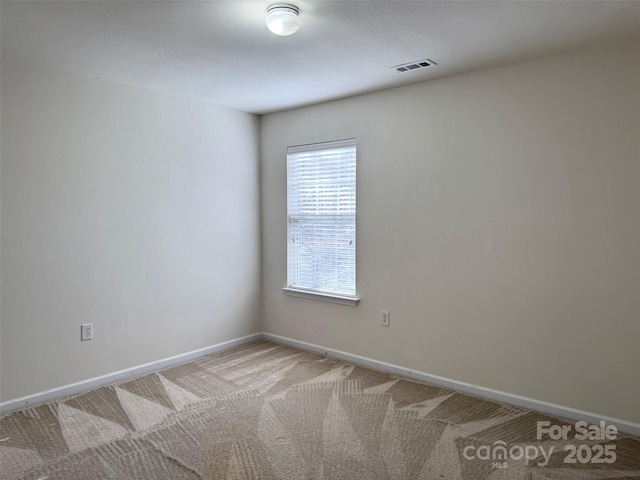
(221, 51)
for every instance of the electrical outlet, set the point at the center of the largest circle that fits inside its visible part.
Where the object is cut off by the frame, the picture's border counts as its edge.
(385, 318)
(86, 331)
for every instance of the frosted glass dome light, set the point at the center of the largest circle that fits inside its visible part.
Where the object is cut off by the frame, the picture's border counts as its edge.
(282, 19)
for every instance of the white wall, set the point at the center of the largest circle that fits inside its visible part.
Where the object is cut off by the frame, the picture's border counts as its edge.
(136, 211)
(498, 222)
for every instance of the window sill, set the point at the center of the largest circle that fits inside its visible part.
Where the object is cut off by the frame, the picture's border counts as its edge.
(323, 297)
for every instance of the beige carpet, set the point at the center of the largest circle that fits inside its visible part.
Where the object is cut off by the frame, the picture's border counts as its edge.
(268, 411)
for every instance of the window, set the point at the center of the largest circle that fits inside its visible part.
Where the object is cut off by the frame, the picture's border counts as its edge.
(321, 230)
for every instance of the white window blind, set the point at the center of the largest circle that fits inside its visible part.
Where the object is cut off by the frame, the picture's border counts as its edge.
(321, 207)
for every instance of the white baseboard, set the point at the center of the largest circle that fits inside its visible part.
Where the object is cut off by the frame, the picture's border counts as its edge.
(78, 387)
(510, 398)
(525, 402)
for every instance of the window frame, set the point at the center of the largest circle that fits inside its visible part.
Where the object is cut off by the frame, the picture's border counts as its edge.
(310, 293)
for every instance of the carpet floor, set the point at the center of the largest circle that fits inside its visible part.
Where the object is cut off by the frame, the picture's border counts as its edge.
(267, 411)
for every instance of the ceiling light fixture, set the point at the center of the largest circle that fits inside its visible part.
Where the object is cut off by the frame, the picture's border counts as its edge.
(282, 19)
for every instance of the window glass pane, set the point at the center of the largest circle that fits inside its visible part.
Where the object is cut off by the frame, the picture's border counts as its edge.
(321, 218)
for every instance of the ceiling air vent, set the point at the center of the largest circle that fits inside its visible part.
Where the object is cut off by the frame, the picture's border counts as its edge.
(407, 67)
